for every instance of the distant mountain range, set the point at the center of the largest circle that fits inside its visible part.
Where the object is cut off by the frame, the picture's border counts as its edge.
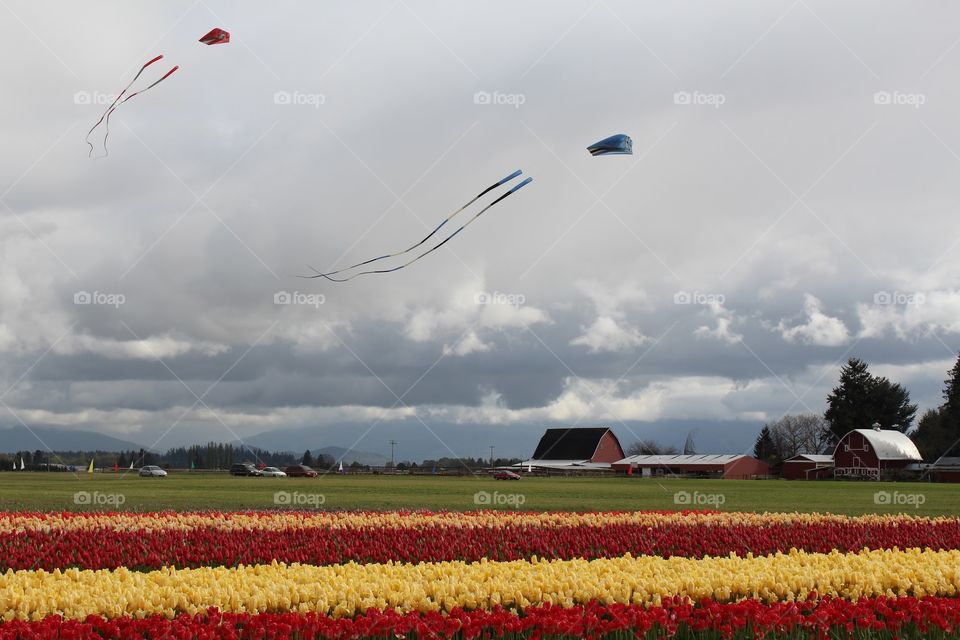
(18, 438)
(369, 444)
(415, 441)
(352, 455)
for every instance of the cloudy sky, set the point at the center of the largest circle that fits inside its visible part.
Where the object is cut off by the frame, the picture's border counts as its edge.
(791, 202)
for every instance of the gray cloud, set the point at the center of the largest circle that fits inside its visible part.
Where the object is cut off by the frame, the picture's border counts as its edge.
(788, 178)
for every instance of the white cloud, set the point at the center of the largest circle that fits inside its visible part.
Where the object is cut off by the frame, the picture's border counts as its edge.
(610, 331)
(819, 328)
(607, 400)
(470, 343)
(467, 309)
(162, 346)
(724, 329)
(911, 315)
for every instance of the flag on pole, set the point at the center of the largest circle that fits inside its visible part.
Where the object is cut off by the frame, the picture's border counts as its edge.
(131, 464)
(629, 469)
(116, 466)
(23, 467)
(341, 466)
(193, 465)
(90, 468)
(529, 468)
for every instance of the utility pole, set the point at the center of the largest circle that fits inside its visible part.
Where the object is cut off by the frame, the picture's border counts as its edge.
(491, 456)
(393, 443)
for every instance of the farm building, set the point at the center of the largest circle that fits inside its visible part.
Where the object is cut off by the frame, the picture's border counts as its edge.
(873, 453)
(575, 449)
(945, 470)
(808, 466)
(712, 465)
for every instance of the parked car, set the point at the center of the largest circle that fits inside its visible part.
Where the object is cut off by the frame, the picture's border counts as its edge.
(300, 471)
(505, 475)
(245, 469)
(152, 471)
(272, 472)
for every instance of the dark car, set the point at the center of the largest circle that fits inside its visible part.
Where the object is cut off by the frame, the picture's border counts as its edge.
(244, 469)
(505, 475)
(300, 471)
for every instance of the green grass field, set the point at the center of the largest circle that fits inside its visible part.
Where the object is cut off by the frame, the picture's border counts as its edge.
(184, 491)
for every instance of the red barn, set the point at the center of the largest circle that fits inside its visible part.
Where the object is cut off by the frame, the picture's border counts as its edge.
(872, 453)
(808, 466)
(946, 470)
(587, 448)
(726, 466)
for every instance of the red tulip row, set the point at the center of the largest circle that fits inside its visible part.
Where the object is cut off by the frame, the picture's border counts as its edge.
(149, 549)
(829, 618)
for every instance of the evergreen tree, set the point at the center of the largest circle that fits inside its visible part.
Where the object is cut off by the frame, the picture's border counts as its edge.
(938, 431)
(950, 411)
(307, 458)
(932, 436)
(764, 448)
(860, 400)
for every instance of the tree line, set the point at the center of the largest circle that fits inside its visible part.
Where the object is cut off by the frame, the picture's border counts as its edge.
(213, 456)
(861, 400)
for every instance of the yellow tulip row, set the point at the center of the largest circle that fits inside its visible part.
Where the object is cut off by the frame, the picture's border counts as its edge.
(344, 590)
(53, 522)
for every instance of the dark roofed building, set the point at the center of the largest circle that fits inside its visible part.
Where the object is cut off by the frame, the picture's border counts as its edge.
(587, 447)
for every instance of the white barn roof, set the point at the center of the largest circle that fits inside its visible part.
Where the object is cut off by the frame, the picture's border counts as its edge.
(562, 464)
(890, 444)
(680, 460)
(812, 457)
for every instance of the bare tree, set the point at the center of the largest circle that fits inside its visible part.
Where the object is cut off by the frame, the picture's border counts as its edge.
(799, 433)
(650, 447)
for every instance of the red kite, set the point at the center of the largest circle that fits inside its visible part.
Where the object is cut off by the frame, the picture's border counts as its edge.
(216, 36)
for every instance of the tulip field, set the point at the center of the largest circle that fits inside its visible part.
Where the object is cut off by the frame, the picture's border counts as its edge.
(114, 556)
(279, 574)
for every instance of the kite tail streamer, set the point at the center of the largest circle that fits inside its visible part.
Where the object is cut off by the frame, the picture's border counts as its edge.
(434, 248)
(105, 118)
(113, 105)
(429, 235)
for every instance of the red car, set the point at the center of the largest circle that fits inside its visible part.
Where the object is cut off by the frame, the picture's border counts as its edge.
(505, 475)
(300, 471)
